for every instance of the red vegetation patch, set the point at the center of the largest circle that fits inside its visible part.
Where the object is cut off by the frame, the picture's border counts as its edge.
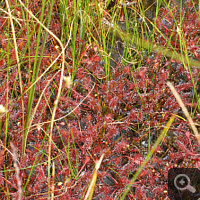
(121, 117)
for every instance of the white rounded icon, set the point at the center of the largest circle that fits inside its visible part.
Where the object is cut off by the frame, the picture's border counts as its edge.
(182, 182)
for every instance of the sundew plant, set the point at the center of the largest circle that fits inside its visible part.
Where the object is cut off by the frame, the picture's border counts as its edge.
(98, 99)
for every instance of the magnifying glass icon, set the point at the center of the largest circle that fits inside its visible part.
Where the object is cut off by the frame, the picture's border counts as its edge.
(182, 182)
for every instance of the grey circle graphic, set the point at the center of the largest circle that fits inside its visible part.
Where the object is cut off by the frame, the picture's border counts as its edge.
(182, 182)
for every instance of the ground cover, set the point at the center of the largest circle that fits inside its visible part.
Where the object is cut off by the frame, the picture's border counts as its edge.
(84, 95)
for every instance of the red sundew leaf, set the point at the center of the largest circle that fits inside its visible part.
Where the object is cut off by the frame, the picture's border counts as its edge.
(197, 163)
(75, 131)
(13, 55)
(88, 141)
(104, 87)
(1, 157)
(132, 115)
(94, 105)
(158, 190)
(120, 86)
(142, 72)
(140, 117)
(138, 159)
(89, 117)
(97, 150)
(92, 130)
(107, 190)
(91, 60)
(126, 70)
(3, 93)
(112, 85)
(112, 129)
(175, 156)
(113, 103)
(142, 84)
(80, 73)
(121, 146)
(1, 63)
(96, 58)
(140, 193)
(2, 182)
(4, 42)
(109, 97)
(21, 44)
(197, 53)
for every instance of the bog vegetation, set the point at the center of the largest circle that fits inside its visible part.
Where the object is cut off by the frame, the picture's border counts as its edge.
(87, 110)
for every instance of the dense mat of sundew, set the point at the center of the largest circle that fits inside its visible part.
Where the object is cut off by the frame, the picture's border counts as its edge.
(121, 116)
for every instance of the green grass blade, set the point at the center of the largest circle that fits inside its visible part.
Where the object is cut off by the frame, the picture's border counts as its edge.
(158, 141)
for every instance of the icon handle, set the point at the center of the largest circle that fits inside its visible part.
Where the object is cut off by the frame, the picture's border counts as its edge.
(191, 189)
